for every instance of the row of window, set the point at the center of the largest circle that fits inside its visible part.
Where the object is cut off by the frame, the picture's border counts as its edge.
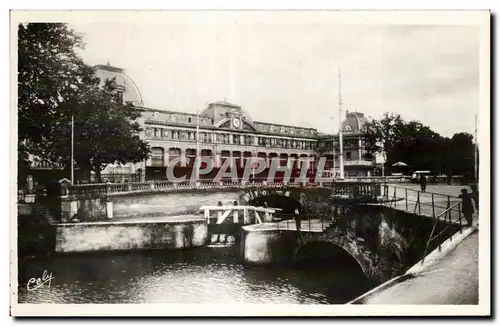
(176, 152)
(234, 139)
(208, 121)
(347, 143)
(236, 161)
(241, 161)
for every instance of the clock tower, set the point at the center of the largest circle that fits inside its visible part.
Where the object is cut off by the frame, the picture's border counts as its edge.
(236, 122)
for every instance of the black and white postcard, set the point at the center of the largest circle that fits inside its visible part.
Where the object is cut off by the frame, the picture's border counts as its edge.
(250, 163)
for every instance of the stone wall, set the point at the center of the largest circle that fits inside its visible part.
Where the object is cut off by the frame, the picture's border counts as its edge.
(109, 236)
(169, 203)
(267, 246)
(91, 209)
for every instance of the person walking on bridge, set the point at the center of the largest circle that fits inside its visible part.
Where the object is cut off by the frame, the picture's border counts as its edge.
(423, 182)
(297, 219)
(467, 207)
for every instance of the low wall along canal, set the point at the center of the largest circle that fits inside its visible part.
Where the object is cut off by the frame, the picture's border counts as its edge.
(131, 235)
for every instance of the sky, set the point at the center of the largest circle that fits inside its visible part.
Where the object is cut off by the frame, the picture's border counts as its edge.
(285, 70)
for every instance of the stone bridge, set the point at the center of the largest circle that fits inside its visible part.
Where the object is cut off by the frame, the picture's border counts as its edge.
(379, 241)
(111, 201)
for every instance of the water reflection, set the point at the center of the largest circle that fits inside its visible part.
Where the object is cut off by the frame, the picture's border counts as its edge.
(204, 275)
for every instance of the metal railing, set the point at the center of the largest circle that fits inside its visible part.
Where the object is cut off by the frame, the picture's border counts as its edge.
(447, 218)
(315, 223)
(308, 222)
(418, 202)
(357, 189)
(441, 207)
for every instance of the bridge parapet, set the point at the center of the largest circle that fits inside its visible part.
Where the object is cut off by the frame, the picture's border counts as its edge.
(357, 189)
(351, 189)
(97, 201)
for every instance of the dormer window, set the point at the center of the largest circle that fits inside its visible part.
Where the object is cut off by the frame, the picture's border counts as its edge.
(189, 119)
(348, 128)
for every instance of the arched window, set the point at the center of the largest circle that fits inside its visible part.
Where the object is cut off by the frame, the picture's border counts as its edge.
(224, 155)
(157, 156)
(174, 153)
(190, 156)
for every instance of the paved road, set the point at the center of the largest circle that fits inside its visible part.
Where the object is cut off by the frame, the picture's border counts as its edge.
(452, 280)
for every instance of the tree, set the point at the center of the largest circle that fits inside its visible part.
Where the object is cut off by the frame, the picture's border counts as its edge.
(107, 130)
(55, 85)
(410, 142)
(48, 71)
(462, 154)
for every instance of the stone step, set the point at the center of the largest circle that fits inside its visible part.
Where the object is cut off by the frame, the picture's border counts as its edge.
(222, 239)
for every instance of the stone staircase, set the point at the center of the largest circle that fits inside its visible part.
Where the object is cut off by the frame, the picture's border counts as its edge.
(222, 239)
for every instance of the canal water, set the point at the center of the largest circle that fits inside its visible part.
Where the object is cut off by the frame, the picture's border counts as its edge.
(200, 275)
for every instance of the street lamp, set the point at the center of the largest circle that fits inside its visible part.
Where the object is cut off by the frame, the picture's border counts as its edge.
(341, 145)
(72, 149)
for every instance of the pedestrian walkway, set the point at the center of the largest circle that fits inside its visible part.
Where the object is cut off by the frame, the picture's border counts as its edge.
(451, 280)
(433, 203)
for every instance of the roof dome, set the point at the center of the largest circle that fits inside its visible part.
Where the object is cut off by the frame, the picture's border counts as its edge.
(354, 122)
(131, 92)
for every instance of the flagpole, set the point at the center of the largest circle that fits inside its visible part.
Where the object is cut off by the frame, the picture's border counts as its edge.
(72, 149)
(333, 156)
(253, 166)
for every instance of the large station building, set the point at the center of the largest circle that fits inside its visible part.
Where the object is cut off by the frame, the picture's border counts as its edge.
(227, 131)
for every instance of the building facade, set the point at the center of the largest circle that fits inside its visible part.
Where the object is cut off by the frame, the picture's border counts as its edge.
(227, 131)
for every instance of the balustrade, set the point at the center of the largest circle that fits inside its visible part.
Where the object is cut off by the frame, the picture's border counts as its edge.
(348, 189)
(356, 189)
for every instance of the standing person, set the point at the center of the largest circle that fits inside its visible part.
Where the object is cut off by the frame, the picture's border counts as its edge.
(467, 207)
(475, 195)
(423, 182)
(297, 219)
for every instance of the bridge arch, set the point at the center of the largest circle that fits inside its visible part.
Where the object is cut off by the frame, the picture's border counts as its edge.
(327, 251)
(308, 201)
